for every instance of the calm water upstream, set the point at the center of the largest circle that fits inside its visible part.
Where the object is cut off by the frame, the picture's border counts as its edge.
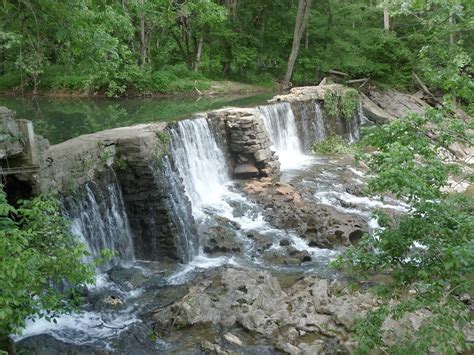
(62, 119)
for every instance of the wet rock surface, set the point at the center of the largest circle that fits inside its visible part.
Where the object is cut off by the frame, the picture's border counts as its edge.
(322, 226)
(10, 135)
(242, 134)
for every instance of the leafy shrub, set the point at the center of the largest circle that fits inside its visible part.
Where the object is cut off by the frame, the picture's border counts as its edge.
(430, 250)
(334, 145)
(341, 103)
(41, 269)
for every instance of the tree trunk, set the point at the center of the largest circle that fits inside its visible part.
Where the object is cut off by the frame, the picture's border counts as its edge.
(451, 30)
(306, 40)
(198, 53)
(260, 63)
(302, 17)
(386, 19)
(143, 42)
(143, 39)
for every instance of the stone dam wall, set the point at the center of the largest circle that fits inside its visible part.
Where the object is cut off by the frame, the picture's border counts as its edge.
(135, 156)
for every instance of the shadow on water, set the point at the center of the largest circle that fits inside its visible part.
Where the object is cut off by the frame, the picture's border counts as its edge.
(61, 119)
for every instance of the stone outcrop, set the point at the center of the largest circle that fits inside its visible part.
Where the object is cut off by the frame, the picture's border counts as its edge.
(312, 316)
(320, 225)
(247, 142)
(232, 310)
(10, 135)
(386, 106)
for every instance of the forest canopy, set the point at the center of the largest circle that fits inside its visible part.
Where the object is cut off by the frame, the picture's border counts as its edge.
(120, 46)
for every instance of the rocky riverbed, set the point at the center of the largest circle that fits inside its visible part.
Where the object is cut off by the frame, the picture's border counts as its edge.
(224, 226)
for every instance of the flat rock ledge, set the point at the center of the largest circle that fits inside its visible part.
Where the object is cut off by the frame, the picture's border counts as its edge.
(310, 93)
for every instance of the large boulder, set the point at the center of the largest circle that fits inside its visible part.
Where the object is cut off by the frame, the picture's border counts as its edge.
(386, 106)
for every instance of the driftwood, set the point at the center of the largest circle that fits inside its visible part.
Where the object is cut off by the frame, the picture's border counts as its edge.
(335, 72)
(354, 81)
(422, 85)
(323, 82)
(198, 91)
(102, 324)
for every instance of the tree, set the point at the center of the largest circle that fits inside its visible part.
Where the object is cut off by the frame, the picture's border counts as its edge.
(302, 17)
(428, 252)
(41, 268)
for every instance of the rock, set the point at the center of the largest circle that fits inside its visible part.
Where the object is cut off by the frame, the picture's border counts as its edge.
(244, 171)
(248, 143)
(262, 242)
(231, 338)
(383, 107)
(287, 256)
(207, 346)
(163, 296)
(253, 300)
(262, 155)
(128, 279)
(373, 112)
(284, 189)
(288, 348)
(323, 226)
(102, 300)
(284, 242)
(221, 238)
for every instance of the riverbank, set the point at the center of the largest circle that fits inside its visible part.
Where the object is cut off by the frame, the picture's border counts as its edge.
(158, 86)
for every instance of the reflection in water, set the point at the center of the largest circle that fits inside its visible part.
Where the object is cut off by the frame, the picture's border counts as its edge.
(62, 119)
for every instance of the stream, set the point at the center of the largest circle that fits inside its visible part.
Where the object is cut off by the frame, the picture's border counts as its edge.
(117, 309)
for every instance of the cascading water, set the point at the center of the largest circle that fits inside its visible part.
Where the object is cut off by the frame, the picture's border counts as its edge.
(199, 161)
(362, 117)
(319, 127)
(181, 212)
(99, 220)
(281, 126)
(201, 196)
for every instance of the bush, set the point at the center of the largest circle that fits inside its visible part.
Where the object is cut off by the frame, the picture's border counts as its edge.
(334, 145)
(41, 269)
(430, 250)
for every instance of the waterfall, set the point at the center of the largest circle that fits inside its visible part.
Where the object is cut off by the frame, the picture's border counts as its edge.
(319, 127)
(99, 220)
(354, 124)
(281, 126)
(199, 161)
(180, 213)
(362, 117)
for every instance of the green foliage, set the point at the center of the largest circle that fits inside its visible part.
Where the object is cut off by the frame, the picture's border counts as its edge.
(163, 137)
(331, 104)
(341, 103)
(41, 272)
(121, 164)
(334, 144)
(349, 104)
(122, 47)
(430, 249)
